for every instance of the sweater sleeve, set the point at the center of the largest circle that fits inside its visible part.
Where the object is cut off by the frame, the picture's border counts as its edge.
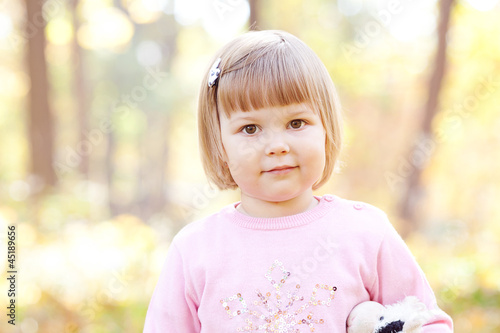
(399, 275)
(172, 307)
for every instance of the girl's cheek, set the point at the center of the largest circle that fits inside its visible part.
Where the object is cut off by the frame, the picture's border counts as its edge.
(245, 150)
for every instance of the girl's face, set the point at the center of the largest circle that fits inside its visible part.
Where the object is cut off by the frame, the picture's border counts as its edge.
(274, 154)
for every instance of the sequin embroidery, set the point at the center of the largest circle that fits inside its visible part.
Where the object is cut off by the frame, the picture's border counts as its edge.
(279, 311)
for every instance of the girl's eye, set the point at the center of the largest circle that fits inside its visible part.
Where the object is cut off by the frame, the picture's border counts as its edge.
(250, 129)
(297, 123)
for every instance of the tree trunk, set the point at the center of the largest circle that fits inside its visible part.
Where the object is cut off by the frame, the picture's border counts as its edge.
(151, 179)
(109, 168)
(41, 127)
(254, 14)
(80, 91)
(425, 143)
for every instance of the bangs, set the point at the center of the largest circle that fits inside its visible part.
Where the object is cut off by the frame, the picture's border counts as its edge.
(267, 77)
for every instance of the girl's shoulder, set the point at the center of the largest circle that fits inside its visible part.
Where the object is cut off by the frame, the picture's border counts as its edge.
(359, 214)
(357, 207)
(202, 229)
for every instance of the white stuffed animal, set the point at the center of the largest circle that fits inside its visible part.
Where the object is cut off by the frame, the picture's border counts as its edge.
(406, 316)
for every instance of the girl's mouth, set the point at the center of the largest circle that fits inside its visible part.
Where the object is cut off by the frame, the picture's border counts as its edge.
(282, 170)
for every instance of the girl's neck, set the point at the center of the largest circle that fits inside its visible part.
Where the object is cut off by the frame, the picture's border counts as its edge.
(260, 208)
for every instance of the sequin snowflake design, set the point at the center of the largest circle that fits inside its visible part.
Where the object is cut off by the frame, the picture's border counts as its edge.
(280, 311)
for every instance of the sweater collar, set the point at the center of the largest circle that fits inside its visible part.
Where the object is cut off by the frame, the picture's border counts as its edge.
(325, 204)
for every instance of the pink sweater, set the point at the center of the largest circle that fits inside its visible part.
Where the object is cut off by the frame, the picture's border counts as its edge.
(303, 273)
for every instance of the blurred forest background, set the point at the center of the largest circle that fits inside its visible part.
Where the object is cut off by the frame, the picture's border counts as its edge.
(99, 164)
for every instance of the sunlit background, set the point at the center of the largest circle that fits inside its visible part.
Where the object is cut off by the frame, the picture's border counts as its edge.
(100, 177)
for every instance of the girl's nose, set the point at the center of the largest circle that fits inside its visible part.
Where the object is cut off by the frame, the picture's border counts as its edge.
(277, 146)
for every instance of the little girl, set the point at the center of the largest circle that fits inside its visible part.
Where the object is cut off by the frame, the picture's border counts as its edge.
(281, 259)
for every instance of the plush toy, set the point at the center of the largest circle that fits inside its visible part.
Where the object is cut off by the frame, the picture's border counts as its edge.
(406, 316)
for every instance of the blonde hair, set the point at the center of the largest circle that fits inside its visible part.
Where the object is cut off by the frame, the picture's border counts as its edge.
(261, 69)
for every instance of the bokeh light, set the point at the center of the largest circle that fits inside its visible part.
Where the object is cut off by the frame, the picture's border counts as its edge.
(148, 53)
(188, 12)
(13, 83)
(416, 19)
(59, 31)
(5, 25)
(350, 7)
(483, 5)
(29, 325)
(19, 190)
(225, 20)
(106, 28)
(146, 11)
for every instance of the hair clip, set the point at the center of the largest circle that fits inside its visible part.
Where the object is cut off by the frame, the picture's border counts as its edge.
(214, 73)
